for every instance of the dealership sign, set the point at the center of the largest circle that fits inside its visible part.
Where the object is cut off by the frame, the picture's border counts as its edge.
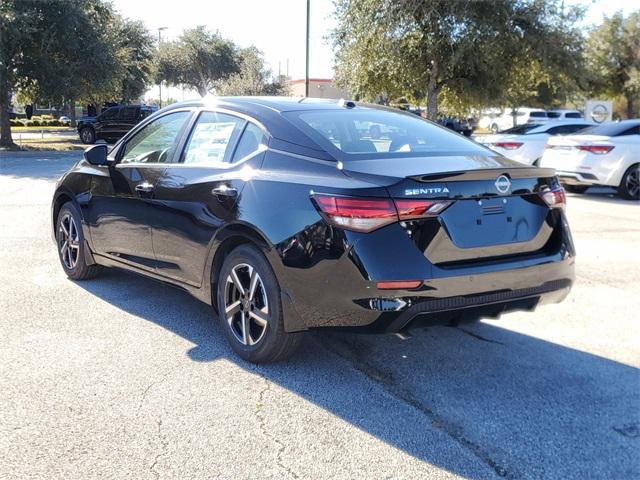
(598, 110)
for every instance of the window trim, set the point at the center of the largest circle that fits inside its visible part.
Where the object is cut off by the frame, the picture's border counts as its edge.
(225, 164)
(122, 145)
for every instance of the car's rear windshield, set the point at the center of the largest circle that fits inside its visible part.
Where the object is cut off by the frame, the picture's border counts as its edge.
(521, 129)
(363, 132)
(610, 129)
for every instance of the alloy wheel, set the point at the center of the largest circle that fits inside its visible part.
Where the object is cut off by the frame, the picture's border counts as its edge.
(633, 182)
(246, 306)
(69, 241)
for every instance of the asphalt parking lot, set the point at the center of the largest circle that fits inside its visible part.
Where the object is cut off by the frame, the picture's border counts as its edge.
(124, 377)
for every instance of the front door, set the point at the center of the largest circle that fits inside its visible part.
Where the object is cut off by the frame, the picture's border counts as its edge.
(199, 193)
(121, 210)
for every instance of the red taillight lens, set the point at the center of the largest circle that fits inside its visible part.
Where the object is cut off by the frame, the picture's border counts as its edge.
(508, 145)
(368, 214)
(597, 149)
(359, 214)
(555, 198)
(411, 209)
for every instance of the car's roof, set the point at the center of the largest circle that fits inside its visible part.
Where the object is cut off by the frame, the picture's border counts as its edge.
(278, 104)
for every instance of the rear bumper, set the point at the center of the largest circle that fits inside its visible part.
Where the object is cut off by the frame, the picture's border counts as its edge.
(577, 178)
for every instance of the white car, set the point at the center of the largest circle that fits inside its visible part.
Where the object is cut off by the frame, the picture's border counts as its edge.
(563, 114)
(523, 116)
(525, 143)
(608, 154)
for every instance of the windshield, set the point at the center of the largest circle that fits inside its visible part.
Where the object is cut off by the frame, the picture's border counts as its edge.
(369, 132)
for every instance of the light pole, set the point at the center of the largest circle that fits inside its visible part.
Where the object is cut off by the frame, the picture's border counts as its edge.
(306, 75)
(160, 29)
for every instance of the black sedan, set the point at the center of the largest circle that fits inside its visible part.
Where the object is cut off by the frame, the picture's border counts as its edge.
(287, 215)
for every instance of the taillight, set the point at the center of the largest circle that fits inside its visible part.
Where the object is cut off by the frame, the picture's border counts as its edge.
(597, 149)
(368, 214)
(555, 198)
(508, 145)
(412, 209)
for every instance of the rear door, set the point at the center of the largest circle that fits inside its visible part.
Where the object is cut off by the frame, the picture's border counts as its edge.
(106, 123)
(198, 194)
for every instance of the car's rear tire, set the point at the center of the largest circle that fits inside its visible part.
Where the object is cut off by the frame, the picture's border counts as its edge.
(250, 310)
(87, 135)
(629, 188)
(71, 244)
(576, 188)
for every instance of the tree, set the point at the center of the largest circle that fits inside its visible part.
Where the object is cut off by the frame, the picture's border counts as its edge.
(136, 51)
(420, 48)
(254, 78)
(613, 58)
(198, 59)
(42, 54)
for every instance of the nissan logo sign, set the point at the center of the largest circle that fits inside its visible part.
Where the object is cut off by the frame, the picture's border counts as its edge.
(503, 184)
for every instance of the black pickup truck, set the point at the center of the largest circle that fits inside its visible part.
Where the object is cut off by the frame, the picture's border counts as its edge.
(112, 123)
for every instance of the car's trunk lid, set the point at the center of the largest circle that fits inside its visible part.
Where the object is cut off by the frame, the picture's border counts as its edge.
(496, 211)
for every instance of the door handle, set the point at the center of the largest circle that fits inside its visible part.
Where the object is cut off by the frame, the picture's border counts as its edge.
(225, 190)
(144, 187)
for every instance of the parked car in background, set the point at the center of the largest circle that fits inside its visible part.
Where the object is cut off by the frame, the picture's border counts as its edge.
(462, 127)
(286, 215)
(607, 154)
(64, 120)
(526, 143)
(523, 116)
(113, 123)
(562, 114)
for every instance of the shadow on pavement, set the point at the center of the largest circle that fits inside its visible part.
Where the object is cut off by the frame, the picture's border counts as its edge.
(603, 195)
(43, 165)
(523, 406)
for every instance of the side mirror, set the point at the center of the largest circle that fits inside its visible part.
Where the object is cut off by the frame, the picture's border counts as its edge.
(96, 155)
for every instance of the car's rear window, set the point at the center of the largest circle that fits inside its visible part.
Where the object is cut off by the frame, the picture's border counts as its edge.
(610, 129)
(521, 129)
(538, 115)
(370, 132)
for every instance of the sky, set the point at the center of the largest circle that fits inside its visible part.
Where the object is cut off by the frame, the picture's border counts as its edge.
(277, 27)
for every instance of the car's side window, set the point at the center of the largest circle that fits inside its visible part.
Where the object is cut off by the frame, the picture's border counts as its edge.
(630, 131)
(109, 113)
(251, 141)
(128, 113)
(211, 138)
(157, 141)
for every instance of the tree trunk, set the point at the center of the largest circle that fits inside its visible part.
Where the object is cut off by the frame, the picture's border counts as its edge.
(433, 90)
(5, 126)
(72, 112)
(203, 91)
(629, 107)
(432, 103)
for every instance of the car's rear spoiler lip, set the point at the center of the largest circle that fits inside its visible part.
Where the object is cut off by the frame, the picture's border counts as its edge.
(485, 174)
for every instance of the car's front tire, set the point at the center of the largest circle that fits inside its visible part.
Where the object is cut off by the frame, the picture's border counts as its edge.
(71, 244)
(576, 188)
(250, 310)
(87, 135)
(629, 188)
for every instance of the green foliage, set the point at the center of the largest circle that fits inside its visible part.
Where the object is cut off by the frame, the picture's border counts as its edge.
(254, 78)
(135, 51)
(613, 59)
(418, 49)
(198, 59)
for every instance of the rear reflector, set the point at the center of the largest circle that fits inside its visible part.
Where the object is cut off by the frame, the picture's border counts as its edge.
(367, 214)
(555, 198)
(597, 149)
(508, 145)
(399, 285)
